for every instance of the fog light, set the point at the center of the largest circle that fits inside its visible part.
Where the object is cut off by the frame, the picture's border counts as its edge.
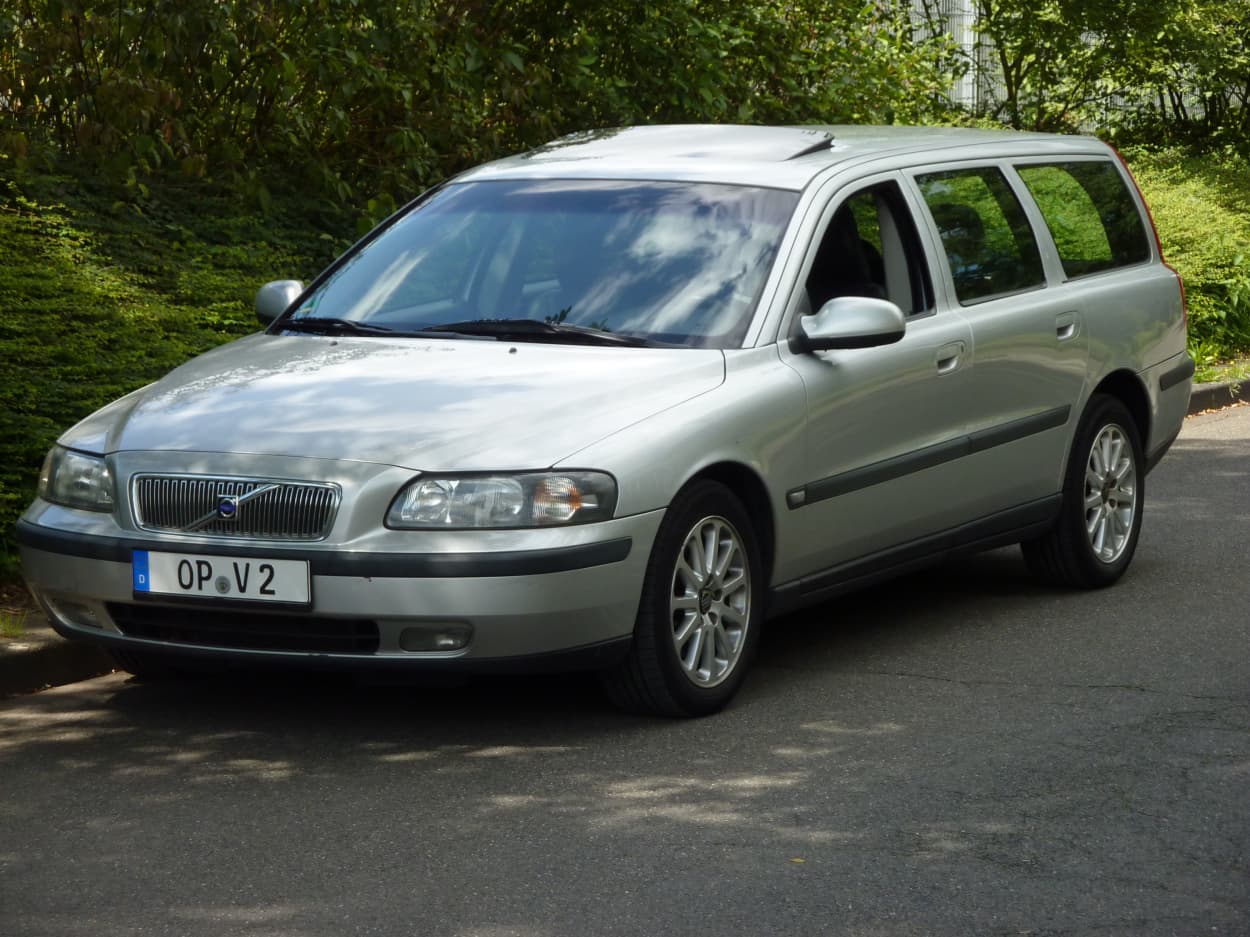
(69, 612)
(440, 636)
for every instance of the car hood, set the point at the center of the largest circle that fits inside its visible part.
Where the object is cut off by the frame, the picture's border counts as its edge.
(433, 405)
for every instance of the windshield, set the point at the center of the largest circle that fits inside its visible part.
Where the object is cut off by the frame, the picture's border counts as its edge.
(671, 263)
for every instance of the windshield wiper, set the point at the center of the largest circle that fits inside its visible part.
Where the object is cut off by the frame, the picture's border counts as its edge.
(328, 325)
(533, 330)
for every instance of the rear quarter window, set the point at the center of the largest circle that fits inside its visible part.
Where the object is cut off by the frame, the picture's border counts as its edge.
(1090, 213)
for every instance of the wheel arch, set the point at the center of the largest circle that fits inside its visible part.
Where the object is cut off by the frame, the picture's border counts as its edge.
(750, 489)
(1128, 388)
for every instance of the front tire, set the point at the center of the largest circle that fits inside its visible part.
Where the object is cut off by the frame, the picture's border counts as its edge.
(1095, 536)
(698, 621)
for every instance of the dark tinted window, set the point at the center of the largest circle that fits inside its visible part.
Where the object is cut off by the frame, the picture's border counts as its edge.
(986, 235)
(1090, 213)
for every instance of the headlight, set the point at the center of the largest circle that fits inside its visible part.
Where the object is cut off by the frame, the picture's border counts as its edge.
(76, 480)
(533, 499)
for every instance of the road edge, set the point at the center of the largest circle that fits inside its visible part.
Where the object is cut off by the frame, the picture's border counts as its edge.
(1218, 394)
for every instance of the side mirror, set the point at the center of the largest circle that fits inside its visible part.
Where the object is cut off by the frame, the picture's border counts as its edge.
(272, 299)
(851, 322)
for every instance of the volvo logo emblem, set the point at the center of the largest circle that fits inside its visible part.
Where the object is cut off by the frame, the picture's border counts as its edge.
(227, 507)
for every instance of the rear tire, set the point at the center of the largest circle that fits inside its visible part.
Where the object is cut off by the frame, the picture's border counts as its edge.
(698, 621)
(1094, 538)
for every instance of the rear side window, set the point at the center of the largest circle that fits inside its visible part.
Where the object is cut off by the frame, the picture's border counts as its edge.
(1090, 213)
(986, 235)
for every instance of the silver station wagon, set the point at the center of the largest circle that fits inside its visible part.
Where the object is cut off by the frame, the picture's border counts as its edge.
(616, 402)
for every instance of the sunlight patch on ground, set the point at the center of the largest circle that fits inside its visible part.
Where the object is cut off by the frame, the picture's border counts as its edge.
(829, 727)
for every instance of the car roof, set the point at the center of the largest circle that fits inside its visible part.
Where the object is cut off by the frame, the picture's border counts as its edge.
(780, 157)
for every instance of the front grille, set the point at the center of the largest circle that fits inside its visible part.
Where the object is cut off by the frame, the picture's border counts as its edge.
(244, 629)
(254, 508)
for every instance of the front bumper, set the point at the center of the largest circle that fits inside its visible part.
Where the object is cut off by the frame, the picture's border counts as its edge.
(558, 599)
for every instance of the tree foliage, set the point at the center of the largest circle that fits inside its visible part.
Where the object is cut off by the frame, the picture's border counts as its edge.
(352, 98)
(1191, 73)
(1172, 69)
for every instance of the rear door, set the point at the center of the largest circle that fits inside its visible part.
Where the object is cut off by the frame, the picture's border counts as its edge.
(1029, 337)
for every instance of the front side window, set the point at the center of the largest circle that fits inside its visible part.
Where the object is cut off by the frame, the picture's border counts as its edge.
(1091, 215)
(669, 263)
(870, 248)
(985, 233)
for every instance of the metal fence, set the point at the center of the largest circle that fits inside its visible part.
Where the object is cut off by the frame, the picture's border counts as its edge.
(979, 84)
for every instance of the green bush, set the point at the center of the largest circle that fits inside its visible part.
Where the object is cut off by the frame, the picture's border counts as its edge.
(1199, 205)
(97, 299)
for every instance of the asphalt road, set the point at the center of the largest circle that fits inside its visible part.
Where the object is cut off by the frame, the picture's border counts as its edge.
(961, 752)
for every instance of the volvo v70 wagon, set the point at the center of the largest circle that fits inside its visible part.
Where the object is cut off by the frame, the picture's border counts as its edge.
(616, 402)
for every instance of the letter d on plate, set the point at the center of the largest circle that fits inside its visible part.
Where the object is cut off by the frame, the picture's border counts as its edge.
(143, 581)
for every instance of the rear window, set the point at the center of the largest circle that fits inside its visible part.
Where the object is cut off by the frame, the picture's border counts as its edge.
(986, 235)
(1091, 215)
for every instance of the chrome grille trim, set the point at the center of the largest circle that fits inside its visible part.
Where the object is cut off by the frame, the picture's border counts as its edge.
(187, 504)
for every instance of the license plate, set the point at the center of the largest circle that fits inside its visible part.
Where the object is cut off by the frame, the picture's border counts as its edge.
(222, 577)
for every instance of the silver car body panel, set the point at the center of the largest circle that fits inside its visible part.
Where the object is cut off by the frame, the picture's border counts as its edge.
(427, 405)
(959, 429)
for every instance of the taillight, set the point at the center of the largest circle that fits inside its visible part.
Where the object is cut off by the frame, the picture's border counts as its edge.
(1154, 229)
(1184, 302)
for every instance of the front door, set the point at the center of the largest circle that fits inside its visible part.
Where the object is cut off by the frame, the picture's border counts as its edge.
(885, 425)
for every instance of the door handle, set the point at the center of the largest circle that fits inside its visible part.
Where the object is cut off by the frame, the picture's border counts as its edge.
(1066, 326)
(948, 357)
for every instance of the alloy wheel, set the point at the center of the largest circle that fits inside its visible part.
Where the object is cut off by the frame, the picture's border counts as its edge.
(1110, 493)
(710, 602)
